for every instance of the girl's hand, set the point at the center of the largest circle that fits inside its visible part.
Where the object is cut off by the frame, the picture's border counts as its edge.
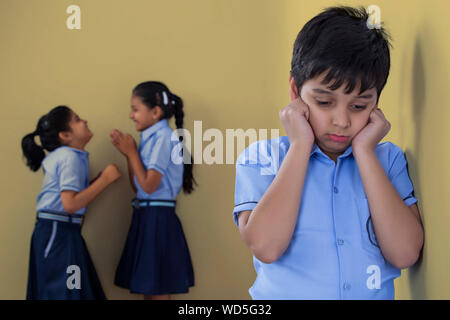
(123, 142)
(294, 118)
(111, 173)
(375, 130)
(93, 180)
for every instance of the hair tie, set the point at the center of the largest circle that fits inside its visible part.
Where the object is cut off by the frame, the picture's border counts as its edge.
(165, 99)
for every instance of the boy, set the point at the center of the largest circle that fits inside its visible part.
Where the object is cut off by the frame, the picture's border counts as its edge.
(338, 220)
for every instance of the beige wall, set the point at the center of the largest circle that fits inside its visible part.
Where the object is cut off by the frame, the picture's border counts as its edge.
(229, 60)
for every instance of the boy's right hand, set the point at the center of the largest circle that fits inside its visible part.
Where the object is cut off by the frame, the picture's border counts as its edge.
(111, 173)
(295, 120)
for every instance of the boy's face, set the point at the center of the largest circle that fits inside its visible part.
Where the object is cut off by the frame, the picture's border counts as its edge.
(335, 117)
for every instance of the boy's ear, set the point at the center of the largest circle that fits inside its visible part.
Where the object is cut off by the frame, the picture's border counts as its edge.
(293, 91)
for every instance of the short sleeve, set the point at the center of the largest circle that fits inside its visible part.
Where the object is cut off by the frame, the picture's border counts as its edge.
(71, 174)
(158, 156)
(399, 176)
(253, 177)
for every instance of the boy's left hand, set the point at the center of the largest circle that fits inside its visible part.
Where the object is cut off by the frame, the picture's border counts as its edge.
(375, 130)
(123, 142)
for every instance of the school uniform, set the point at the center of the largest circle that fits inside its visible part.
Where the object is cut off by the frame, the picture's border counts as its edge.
(156, 258)
(333, 253)
(60, 265)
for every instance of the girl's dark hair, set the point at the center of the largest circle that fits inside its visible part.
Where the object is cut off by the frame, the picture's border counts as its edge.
(154, 93)
(338, 39)
(48, 128)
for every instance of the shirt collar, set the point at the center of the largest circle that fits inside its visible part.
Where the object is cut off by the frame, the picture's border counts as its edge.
(317, 150)
(153, 128)
(82, 152)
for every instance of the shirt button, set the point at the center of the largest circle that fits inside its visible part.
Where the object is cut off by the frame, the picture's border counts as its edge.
(335, 190)
(340, 242)
(347, 286)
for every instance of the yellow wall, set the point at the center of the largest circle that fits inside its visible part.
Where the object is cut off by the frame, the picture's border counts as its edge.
(229, 60)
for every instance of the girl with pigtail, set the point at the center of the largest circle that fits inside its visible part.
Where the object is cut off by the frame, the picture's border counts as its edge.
(60, 265)
(156, 260)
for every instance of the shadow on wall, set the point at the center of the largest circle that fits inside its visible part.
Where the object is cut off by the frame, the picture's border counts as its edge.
(416, 273)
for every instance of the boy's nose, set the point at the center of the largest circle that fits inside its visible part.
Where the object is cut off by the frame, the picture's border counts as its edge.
(341, 119)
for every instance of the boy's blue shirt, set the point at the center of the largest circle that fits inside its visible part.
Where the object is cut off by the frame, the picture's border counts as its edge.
(65, 169)
(333, 253)
(155, 150)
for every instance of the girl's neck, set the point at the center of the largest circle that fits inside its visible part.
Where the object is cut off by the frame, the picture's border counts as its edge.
(78, 146)
(151, 125)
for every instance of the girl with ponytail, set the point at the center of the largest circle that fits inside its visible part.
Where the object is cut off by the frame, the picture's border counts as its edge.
(156, 260)
(60, 265)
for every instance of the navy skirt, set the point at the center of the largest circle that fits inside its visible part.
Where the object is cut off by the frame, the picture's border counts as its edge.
(60, 265)
(156, 257)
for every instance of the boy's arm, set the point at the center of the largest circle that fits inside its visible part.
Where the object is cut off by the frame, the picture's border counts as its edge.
(268, 229)
(398, 227)
(73, 201)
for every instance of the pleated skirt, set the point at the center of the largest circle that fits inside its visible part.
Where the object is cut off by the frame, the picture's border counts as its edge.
(60, 266)
(156, 258)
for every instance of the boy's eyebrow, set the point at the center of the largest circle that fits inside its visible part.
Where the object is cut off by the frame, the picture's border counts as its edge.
(318, 90)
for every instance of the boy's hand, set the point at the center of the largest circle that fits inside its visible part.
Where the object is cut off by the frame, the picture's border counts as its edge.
(111, 173)
(294, 118)
(123, 142)
(375, 130)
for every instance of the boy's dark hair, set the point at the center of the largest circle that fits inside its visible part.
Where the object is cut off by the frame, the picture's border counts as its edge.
(48, 128)
(151, 94)
(338, 40)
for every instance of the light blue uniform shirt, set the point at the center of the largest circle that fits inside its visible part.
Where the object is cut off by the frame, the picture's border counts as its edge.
(155, 149)
(333, 253)
(65, 168)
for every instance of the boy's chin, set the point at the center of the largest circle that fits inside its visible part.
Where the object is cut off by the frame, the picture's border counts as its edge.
(336, 147)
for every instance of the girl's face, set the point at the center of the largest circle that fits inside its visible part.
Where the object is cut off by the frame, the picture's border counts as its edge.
(79, 134)
(142, 116)
(336, 113)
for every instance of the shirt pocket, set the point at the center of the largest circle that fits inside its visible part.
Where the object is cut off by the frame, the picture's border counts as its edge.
(51, 240)
(369, 241)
